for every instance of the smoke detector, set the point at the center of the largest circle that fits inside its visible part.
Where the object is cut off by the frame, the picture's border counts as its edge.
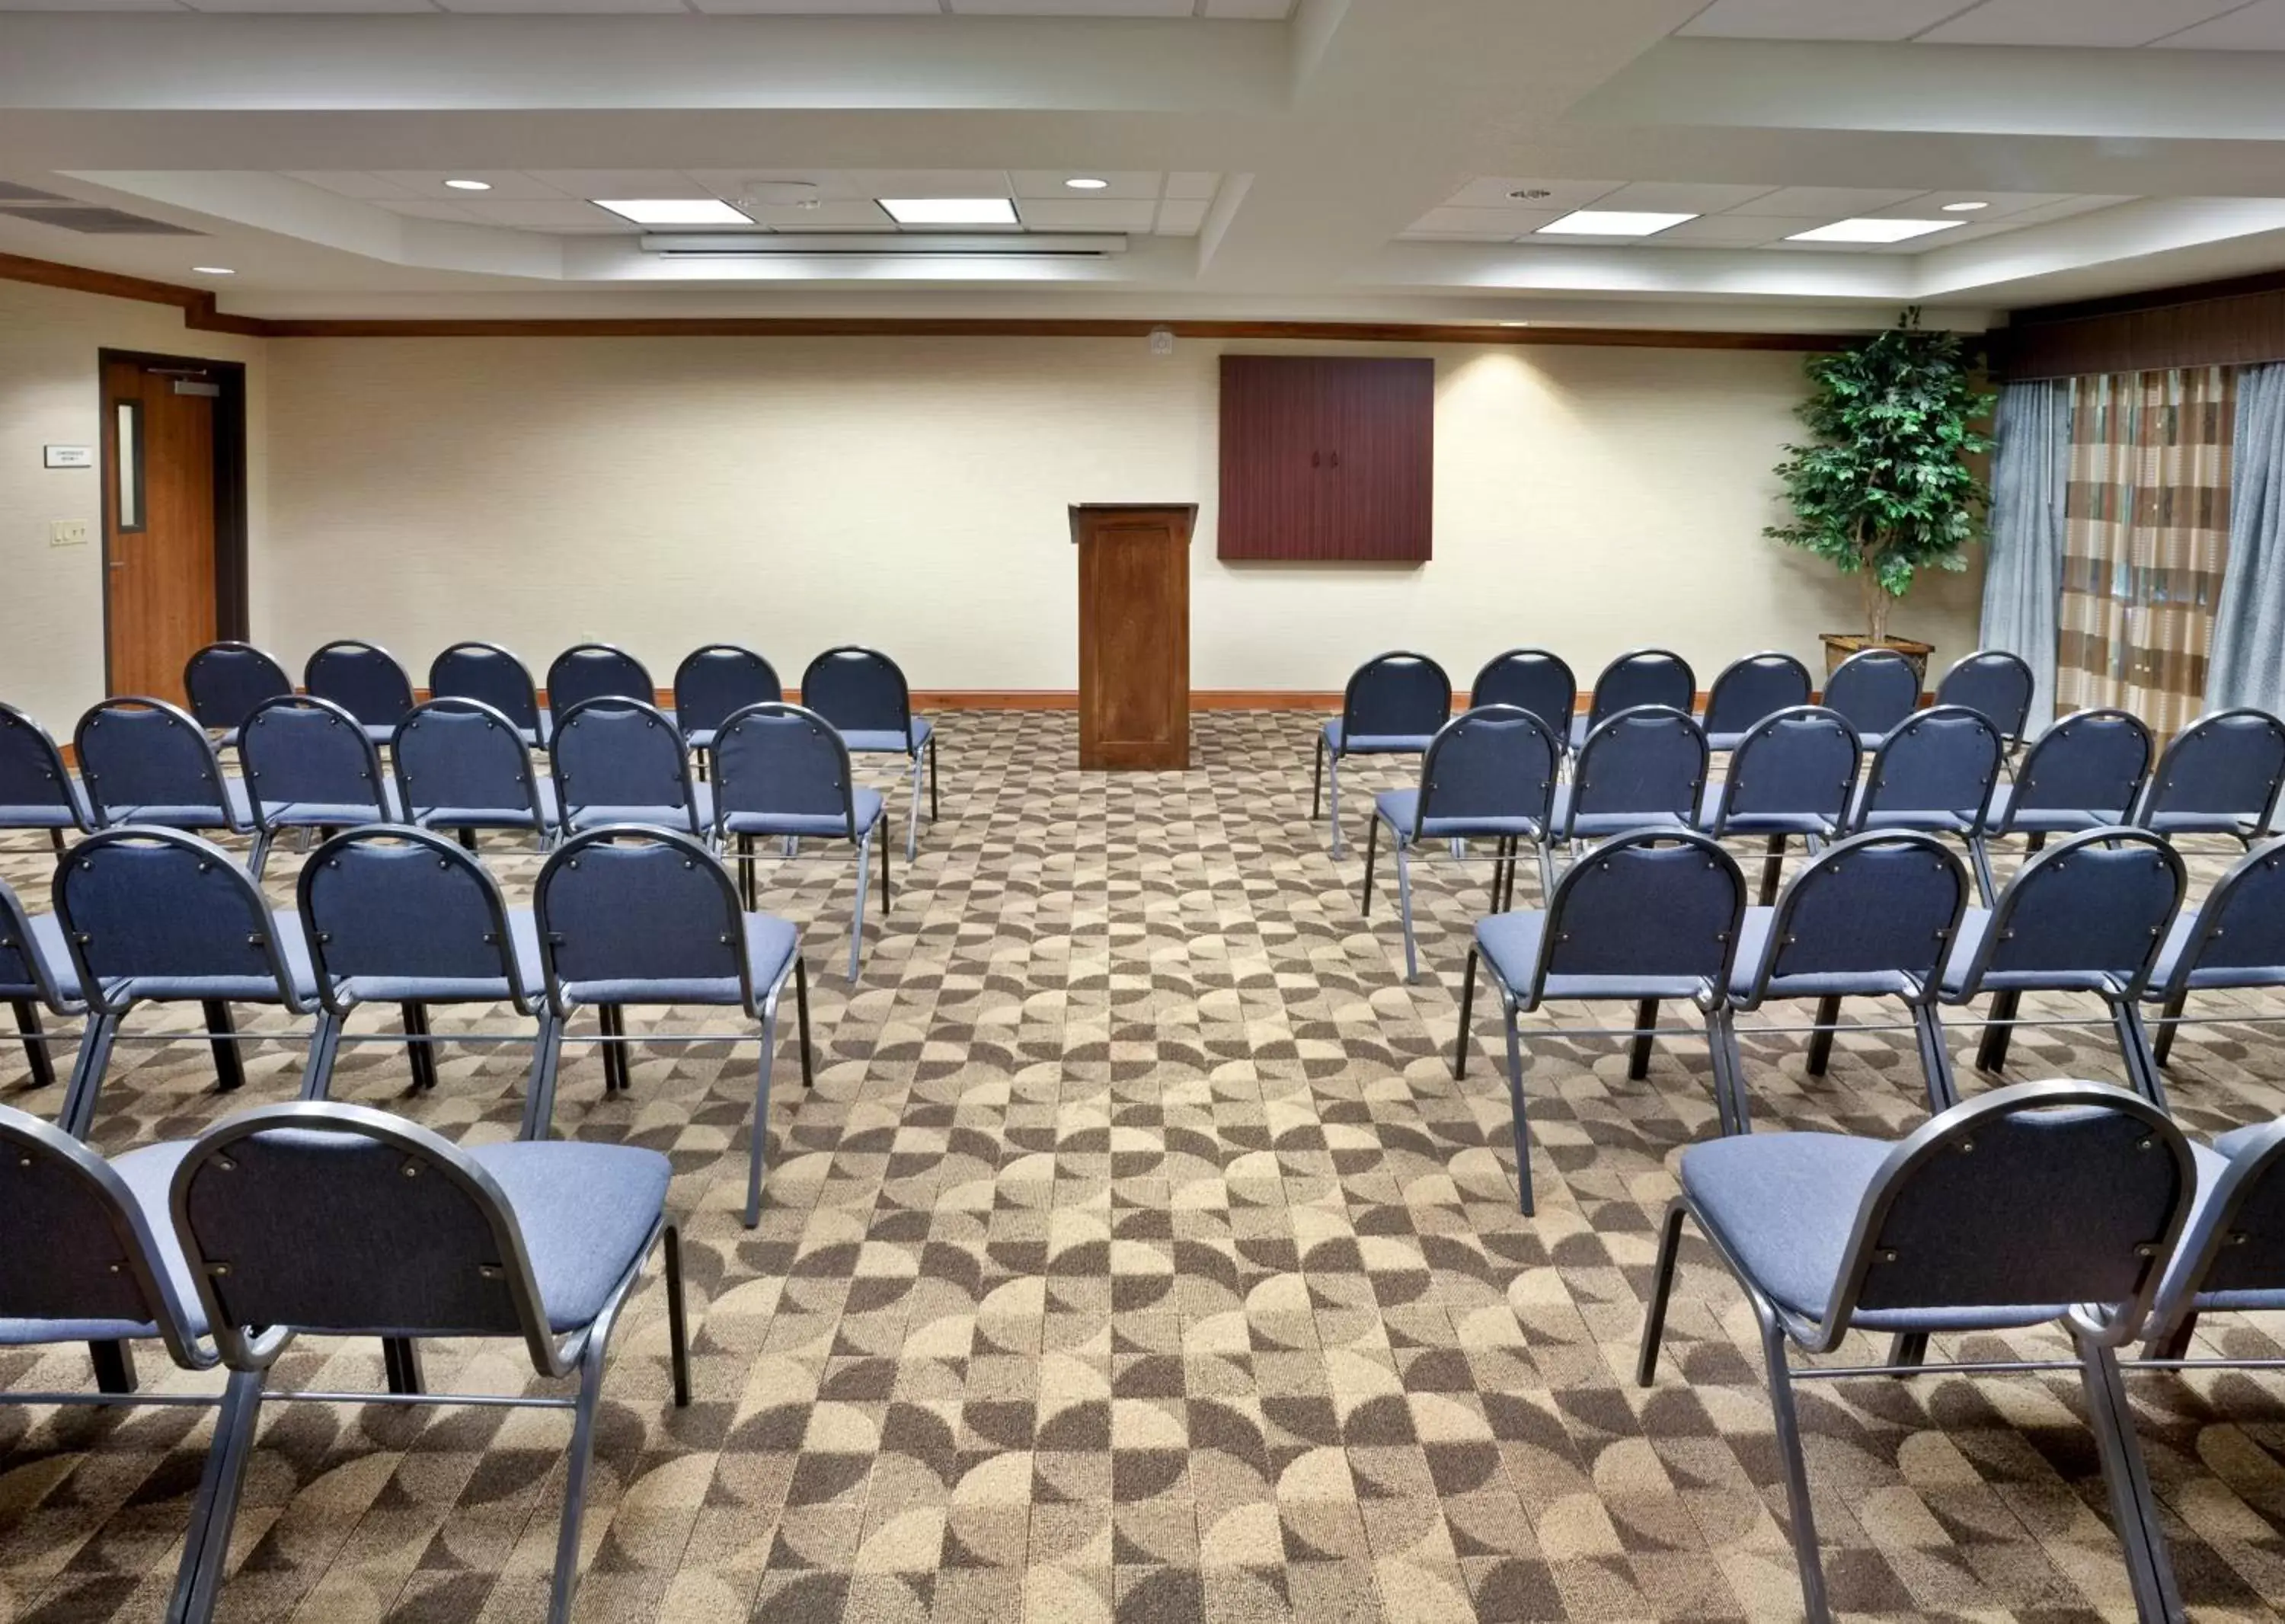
(780, 195)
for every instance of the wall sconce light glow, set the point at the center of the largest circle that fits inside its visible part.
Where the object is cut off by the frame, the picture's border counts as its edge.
(1086, 183)
(214, 270)
(469, 185)
(949, 211)
(1611, 223)
(1874, 230)
(673, 211)
(1964, 208)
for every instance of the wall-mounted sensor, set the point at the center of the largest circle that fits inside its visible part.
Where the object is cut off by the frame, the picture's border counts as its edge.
(1162, 341)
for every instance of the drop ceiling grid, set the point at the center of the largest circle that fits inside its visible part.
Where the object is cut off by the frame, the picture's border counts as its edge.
(2204, 25)
(1219, 11)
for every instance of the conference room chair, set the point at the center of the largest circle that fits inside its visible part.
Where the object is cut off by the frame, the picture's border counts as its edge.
(714, 683)
(617, 760)
(225, 681)
(1644, 768)
(403, 916)
(2048, 1202)
(491, 675)
(1487, 774)
(1934, 771)
(2220, 776)
(160, 916)
(364, 680)
(1996, 683)
(145, 761)
(2234, 939)
(781, 772)
(2085, 772)
(1748, 691)
(335, 1221)
(1642, 918)
(1872, 916)
(1876, 689)
(2232, 1254)
(647, 917)
(310, 764)
(1793, 773)
(463, 766)
(35, 971)
(863, 693)
(1640, 677)
(1530, 679)
(38, 790)
(595, 670)
(2087, 915)
(1394, 704)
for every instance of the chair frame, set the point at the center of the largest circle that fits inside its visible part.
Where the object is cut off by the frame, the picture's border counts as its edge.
(542, 829)
(228, 733)
(682, 709)
(913, 752)
(1996, 827)
(1724, 813)
(1596, 715)
(2153, 783)
(1870, 658)
(267, 826)
(101, 812)
(566, 809)
(1348, 711)
(1867, 804)
(16, 933)
(649, 696)
(378, 732)
(1584, 757)
(1560, 725)
(2172, 996)
(536, 735)
(2012, 735)
(74, 796)
(2175, 1316)
(1748, 664)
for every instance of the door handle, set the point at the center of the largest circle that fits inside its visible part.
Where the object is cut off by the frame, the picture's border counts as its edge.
(118, 563)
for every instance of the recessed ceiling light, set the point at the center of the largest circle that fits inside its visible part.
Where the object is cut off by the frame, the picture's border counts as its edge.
(1872, 231)
(1086, 183)
(1964, 208)
(673, 211)
(1611, 223)
(950, 211)
(214, 270)
(469, 185)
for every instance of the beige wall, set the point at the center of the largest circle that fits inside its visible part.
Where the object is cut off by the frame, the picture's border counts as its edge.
(51, 598)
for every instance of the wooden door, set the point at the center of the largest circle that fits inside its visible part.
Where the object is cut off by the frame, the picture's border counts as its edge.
(1380, 421)
(159, 557)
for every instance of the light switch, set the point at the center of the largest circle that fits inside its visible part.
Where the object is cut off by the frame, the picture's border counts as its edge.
(67, 533)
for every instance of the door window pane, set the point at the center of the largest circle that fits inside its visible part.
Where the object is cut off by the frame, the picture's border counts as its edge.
(130, 465)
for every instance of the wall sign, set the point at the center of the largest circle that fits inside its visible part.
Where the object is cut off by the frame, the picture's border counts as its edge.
(68, 456)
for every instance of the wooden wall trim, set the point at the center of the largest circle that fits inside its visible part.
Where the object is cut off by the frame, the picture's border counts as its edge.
(2240, 322)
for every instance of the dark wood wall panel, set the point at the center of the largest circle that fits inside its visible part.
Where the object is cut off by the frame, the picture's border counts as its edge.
(1327, 457)
(2239, 323)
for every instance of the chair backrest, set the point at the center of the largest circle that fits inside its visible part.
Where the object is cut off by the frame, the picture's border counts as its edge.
(1886, 901)
(79, 1247)
(1396, 695)
(1945, 759)
(2239, 940)
(2042, 1193)
(596, 670)
(2220, 773)
(145, 753)
(363, 678)
(298, 748)
(491, 675)
(462, 753)
(24, 973)
(1493, 761)
(1530, 679)
(634, 915)
(385, 903)
(715, 682)
(1643, 676)
(858, 690)
(1650, 759)
(2237, 1242)
(1758, 685)
(226, 680)
(1803, 760)
(139, 903)
(2091, 761)
(784, 760)
(344, 1221)
(622, 752)
(1875, 688)
(32, 771)
(1994, 681)
(2096, 904)
(1654, 903)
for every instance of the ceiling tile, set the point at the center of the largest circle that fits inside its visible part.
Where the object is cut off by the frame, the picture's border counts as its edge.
(1072, 8)
(2258, 27)
(1484, 224)
(504, 184)
(1733, 230)
(332, 6)
(1822, 20)
(1181, 217)
(856, 214)
(1826, 203)
(2002, 205)
(619, 184)
(2076, 22)
(350, 182)
(1095, 213)
(1198, 185)
(927, 182)
(545, 214)
(423, 209)
(1129, 184)
(583, 7)
(1680, 198)
(1491, 192)
(1267, 11)
(814, 8)
(2062, 209)
(735, 184)
(89, 6)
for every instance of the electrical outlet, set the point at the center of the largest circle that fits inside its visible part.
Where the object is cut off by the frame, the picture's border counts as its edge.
(67, 533)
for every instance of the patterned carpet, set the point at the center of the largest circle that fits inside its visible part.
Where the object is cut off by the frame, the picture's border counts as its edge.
(1136, 1258)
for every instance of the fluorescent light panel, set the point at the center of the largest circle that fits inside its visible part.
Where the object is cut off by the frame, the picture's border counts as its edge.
(1874, 231)
(950, 211)
(1611, 223)
(673, 211)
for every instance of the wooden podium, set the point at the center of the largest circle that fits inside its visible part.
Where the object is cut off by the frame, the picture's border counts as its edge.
(1133, 635)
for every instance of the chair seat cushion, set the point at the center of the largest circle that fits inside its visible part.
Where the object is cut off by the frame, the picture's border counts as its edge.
(1754, 946)
(335, 814)
(2178, 936)
(147, 1172)
(664, 815)
(1510, 944)
(285, 927)
(1595, 824)
(523, 944)
(2246, 826)
(1718, 742)
(1374, 744)
(1933, 819)
(47, 815)
(1710, 818)
(886, 741)
(2212, 1164)
(1975, 924)
(236, 812)
(771, 944)
(866, 804)
(2005, 818)
(699, 738)
(587, 1212)
(494, 817)
(1398, 808)
(48, 945)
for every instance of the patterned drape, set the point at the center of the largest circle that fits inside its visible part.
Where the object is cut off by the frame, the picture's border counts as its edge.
(2146, 541)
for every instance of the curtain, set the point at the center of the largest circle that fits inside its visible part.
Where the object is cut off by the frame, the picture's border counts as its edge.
(2023, 573)
(2145, 539)
(2247, 665)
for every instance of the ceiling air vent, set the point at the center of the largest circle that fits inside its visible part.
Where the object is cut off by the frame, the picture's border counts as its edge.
(93, 221)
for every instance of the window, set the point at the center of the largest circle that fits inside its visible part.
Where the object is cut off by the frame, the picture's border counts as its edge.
(130, 503)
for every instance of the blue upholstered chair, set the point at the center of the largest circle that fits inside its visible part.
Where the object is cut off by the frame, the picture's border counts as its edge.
(1641, 677)
(1996, 683)
(1530, 679)
(2235, 938)
(2054, 1203)
(38, 790)
(2232, 1255)
(1394, 705)
(2085, 772)
(2089, 914)
(1791, 773)
(1873, 916)
(1644, 917)
(1749, 690)
(224, 682)
(404, 917)
(714, 683)
(863, 693)
(646, 917)
(36, 970)
(310, 764)
(489, 675)
(595, 670)
(1644, 768)
(1935, 770)
(463, 766)
(146, 762)
(782, 772)
(2220, 775)
(1487, 774)
(1876, 689)
(617, 760)
(364, 680)
(325, 1220)
(155, 915)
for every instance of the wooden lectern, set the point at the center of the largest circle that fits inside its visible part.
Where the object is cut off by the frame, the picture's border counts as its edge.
(1133, 635)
